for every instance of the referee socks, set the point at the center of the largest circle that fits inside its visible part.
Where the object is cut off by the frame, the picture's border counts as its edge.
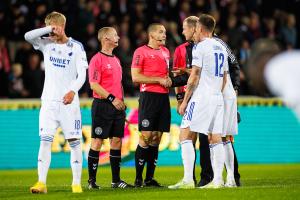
(115, 162)
(93, 161)
(141, 155)
(151, 162)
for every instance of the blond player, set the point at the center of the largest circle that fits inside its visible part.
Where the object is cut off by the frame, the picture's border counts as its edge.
(202, 105)
(65, 73)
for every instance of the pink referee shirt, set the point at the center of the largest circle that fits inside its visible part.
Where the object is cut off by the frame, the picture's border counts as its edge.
(153, 62)
(180, 56)
(106, 70)
(179, 61)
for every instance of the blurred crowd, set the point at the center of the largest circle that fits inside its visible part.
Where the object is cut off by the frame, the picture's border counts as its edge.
(239, 23)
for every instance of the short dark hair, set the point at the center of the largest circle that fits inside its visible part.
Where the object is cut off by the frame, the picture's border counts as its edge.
(153, 27)
(208, 22)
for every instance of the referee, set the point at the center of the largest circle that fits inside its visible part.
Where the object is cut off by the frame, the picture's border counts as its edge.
(150, 69)
(108, 108)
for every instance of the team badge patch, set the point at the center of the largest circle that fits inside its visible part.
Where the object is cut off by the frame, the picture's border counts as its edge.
(98, 130)
(69, 44)
(145, 123)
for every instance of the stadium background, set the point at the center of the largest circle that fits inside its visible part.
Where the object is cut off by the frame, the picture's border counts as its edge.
(268, 132)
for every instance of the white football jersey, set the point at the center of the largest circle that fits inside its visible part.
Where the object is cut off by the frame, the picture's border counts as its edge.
(282, 78)
(211, 56)
(62, 64)
(229, 92)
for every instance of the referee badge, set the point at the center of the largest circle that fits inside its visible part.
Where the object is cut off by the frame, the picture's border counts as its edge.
(145, 123)
(98, 130)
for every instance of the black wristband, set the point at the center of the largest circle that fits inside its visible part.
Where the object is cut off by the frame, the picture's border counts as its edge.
(180, 96)
(111, 98)
(236, 88)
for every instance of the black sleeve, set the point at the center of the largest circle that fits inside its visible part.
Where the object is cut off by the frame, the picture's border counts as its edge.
(180, 80)
(234, 71)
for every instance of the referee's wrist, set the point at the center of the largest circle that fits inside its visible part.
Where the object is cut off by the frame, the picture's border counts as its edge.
(110, 98)
(180, 96)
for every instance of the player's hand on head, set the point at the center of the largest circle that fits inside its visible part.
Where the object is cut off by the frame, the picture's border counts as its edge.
(68, 98)
(57, 30)
(182, 108)
(119, 105)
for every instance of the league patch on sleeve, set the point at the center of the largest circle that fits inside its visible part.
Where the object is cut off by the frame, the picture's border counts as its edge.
(137, 60)
(96, 75)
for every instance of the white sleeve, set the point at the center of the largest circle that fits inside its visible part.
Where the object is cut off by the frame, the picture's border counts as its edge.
(225, 65)
(197, 53)
(34, 37)
(81, 66)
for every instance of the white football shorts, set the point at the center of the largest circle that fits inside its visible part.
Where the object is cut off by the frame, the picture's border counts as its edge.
(54, 114)
(230, 124)
(205, 115)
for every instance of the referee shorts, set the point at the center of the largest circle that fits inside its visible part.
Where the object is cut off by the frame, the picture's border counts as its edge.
(107, 121)
(154, 112)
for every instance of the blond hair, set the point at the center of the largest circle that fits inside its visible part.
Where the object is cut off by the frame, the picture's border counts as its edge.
(103, 32)
(191, 21)
(55, 17)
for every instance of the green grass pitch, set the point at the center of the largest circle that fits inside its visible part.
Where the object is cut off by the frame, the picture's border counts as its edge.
(259, 182)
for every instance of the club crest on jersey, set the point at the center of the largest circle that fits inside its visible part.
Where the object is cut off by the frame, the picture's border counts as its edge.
(70, 44)
(145, 123)
(98, 130)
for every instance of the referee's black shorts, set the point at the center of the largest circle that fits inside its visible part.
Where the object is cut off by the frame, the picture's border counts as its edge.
(154, 112)
(107, 121)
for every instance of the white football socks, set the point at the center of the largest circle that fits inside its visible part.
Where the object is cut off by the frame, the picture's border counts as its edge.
(229, 160)
(44, 157)
(218, 162)
(188, 158)
(76, 161)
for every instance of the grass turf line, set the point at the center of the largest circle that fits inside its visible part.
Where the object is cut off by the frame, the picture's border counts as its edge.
(259, 182)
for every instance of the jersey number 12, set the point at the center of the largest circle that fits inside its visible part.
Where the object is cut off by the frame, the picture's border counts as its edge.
(219, 58)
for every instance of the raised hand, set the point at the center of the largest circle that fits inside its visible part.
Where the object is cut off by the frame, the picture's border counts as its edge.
(57, 30)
